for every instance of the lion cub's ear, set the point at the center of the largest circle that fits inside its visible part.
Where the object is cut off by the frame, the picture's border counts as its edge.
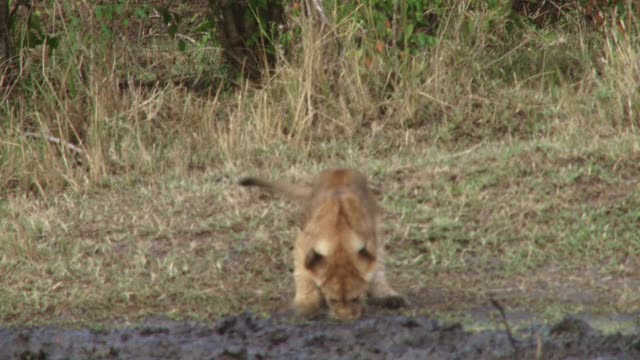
(365, 254)
(314, 261)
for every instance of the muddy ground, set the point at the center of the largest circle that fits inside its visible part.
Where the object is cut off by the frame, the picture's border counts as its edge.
(249, 337)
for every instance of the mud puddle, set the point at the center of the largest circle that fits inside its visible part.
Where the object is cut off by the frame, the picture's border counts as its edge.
(249, 337)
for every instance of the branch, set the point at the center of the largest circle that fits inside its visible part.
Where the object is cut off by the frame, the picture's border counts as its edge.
(320, 10)
(307, 9)
(50, 138)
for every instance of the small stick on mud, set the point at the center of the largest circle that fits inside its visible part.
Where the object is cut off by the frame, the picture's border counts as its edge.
(512, 340)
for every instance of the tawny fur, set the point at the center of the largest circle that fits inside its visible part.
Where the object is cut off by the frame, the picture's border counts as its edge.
(338, 259)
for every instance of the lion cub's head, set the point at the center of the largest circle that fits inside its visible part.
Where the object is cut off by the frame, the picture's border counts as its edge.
(342, 268)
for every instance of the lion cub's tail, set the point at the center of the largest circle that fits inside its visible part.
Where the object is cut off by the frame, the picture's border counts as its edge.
(290, 190)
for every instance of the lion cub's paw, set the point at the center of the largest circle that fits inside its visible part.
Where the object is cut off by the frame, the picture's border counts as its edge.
(307, 310)
(391, 301)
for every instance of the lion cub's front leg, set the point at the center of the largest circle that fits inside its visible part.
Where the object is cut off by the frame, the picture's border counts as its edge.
(308, 299)
(382, 293)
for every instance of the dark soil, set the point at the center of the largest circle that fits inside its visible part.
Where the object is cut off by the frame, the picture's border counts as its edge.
(249, 337)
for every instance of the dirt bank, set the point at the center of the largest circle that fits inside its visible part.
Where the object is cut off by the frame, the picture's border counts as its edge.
(249, 337)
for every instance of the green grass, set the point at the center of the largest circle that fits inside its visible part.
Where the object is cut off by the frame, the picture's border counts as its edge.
(482, 223)
(508, 160)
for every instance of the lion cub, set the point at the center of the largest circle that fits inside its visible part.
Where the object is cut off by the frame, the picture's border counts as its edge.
(337, 255)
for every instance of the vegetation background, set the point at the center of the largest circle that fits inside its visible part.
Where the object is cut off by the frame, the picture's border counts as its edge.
(504, 134)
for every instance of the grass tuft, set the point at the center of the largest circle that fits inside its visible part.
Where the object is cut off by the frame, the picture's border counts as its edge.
(507, 153)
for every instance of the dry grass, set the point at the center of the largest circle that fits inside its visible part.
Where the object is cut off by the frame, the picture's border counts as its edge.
(508, 155)
(535, 224)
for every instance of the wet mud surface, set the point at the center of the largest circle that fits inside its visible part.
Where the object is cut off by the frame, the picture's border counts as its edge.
(249, 337)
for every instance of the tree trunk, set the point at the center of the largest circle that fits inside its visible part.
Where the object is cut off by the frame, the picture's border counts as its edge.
(5, 38)
(244, 47)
